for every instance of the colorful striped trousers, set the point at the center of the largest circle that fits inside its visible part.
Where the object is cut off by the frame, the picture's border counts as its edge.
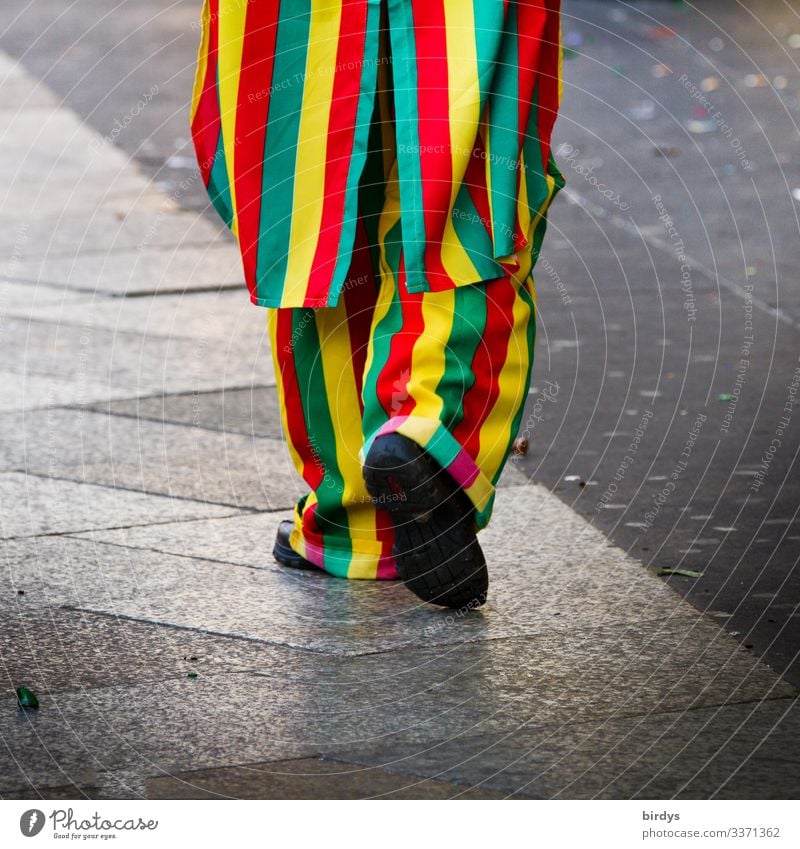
(449, 369)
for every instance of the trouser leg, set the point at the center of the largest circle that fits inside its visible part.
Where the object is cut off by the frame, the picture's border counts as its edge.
(319, 360)
(450, 369)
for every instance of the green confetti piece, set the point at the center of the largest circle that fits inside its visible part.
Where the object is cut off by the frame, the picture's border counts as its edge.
(26, 699)
(686, 573)
(725, 396)
(191, 675)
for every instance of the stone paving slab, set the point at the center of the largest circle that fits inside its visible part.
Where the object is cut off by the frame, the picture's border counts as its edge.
(304, 703)
(21, 91)
(306, 778)
(315, 611)
(171, 270)
(52, 649)
(224, 317)
(80, 160)
(26, 391)
(145, 456)
(239, 540)
(129, 361)
(155, 456)
(546, 533)
(740, 751)
(154, 222)
(35, 505)
(253, 411)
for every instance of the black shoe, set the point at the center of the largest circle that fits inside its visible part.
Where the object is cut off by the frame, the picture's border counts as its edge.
(284, 553)
(436, 551)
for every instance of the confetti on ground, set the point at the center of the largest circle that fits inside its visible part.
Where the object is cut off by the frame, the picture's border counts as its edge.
(659, 70)
(716, 44)
(794, 40)
(644, 111)
(699, 127)
(667, 151)
(710, 84)
(756, 81)
(26, 699)
(725, 396)
(780, 82)
(661, 33)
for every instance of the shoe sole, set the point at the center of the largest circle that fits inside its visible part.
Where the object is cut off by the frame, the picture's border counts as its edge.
(436, 552)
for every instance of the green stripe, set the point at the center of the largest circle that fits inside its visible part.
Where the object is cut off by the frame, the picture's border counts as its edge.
(503, 133)
(331, 515)
(366, 102)
(280, 150)
(541, 227)
(371, 189)
(391, 323)
(473, 236)
(466, 333)
(531, 341)
(219, 190)
(404, 72)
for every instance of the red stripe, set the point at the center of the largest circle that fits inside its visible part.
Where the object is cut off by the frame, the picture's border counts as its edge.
(433, 105)
(293, 402)
(475, 177)
(487, 364)
(339, 146)
(548, 80)
(255, 81)
(206, 122)
(359, 304)
(385, 533)
(391, 387)
(531, 20)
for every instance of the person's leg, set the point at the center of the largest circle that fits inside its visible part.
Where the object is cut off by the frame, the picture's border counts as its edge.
(446, 379)
(319, 360)
(450, 370)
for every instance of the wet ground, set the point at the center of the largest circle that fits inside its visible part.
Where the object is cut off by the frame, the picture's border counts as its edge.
(662, 416)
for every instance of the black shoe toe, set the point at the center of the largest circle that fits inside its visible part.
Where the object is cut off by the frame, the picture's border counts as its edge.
(284, 553)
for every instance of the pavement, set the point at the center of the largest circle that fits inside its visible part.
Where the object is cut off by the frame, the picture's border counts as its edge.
(143, 471)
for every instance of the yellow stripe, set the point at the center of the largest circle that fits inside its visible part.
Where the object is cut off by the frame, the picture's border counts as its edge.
(232, 16)
(540, 213)
(390, 215)
(312, 154)
(342, 394)
(272, 327)
(428, 360)
(523, 209)
(464, 114)
(202, 60)
(513, 391)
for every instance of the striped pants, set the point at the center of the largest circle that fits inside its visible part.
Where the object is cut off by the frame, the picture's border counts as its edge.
(449, 369)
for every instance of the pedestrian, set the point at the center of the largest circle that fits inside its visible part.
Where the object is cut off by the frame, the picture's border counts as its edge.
(386, 168)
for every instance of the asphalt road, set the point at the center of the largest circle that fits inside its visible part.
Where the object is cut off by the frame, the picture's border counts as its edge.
(669, 326)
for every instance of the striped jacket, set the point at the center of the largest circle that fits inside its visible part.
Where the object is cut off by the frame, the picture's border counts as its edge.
(283, 100)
